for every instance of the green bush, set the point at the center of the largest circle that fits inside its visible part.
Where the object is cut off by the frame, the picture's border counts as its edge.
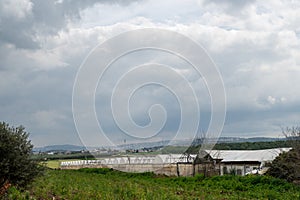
(17, 168)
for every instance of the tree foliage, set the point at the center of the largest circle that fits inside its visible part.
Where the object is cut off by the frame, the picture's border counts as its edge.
(293, 136)
(16, 166)
(253, 145)
(287, 165)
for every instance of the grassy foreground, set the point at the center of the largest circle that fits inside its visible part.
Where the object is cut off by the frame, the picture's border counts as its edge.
(109, 184)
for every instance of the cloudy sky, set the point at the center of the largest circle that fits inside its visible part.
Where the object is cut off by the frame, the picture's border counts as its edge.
(255, 46)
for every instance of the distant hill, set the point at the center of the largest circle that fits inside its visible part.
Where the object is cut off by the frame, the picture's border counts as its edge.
(65, 147)
(69, 147)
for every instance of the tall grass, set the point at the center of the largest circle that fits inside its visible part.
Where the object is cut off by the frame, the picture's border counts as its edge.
(110, 184)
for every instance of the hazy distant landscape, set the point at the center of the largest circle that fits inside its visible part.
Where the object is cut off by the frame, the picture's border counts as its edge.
(68, 147)
(58, 182)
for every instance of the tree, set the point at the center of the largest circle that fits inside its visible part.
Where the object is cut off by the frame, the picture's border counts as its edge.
(194, 147)
(287, 165)
(16, 165)
(293, 136)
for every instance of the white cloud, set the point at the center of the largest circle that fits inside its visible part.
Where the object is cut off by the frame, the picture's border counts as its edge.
(17, 9)
(256, 46)
(271, 100)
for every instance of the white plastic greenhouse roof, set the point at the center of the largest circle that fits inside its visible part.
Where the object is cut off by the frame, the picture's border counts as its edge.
(157, 159)
(223, 155)
(247, 155)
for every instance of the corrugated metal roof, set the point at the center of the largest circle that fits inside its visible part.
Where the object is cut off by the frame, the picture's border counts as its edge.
(247, 155)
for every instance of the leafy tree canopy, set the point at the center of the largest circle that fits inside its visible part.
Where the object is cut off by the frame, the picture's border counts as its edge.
(16, 166)
(287, 165)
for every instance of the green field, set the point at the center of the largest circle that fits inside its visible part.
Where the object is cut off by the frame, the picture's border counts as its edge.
(54, 164)
(109, 184)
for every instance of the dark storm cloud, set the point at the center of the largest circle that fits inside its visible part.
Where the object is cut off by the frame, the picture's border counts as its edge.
(42, 18)
(43, 43)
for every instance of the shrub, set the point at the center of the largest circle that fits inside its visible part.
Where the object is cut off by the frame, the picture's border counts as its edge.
(16, 166)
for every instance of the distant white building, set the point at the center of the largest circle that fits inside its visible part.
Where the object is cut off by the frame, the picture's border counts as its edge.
(244, 161)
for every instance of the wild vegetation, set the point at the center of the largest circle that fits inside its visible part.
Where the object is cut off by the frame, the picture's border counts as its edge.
(110, 184)
(287, 165)
(17, 168)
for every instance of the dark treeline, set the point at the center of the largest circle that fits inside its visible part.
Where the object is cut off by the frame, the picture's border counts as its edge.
(63, 156)
(240, 146)
(252, 145)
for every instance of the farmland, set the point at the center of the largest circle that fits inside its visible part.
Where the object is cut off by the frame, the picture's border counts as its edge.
(109, 184)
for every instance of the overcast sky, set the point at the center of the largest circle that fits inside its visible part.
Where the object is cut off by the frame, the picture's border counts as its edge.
(255, 45)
